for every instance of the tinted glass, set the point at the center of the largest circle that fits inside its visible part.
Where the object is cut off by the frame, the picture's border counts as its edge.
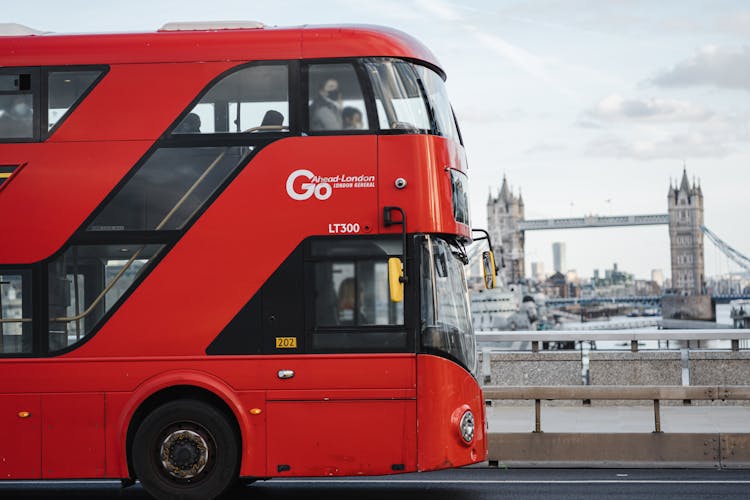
(336, 100)
(437, 97)
(171, 186)
(65, 88)
(252, 100)
(85, 282)
(16, 116)
(355, 294)
(352, 306)
(446, 317)
(15, 312)
(398, 97)
(460, 196)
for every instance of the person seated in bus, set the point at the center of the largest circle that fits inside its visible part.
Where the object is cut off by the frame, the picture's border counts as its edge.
(347, 303)
(325, 108)
(16, 116)
(352, 118)
(190, 125)
(272, 120)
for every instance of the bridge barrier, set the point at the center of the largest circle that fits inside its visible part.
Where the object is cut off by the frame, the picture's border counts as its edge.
(598, 449)
(685, 363)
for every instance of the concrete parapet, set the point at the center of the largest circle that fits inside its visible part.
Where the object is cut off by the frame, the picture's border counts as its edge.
(634, 368)
(530, 368)
(719, 367)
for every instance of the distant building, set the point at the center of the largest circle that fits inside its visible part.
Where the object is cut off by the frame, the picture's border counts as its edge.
(657, 276)
(504, 211)
(537, 271)
(558, 256)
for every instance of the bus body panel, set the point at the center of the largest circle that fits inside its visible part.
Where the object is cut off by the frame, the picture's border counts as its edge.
(220, 45)
(73, 442)
(57, 189)
(363, 41)
(445, 391)
(20, 436)
(341, 438)
(243, 383)
(154, 47)
(424, 161)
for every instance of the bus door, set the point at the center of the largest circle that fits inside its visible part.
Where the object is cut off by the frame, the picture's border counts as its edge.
(347, 404)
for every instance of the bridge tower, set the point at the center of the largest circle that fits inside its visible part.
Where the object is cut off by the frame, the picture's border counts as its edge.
(503, 215)
(685, 203)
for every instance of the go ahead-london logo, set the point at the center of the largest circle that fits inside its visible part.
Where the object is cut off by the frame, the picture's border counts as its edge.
(303, 184)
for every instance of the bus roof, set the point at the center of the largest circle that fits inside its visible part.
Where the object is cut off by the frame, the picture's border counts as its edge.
(225, 44)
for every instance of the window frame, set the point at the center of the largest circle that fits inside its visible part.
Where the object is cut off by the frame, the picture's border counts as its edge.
(40, 101)
(410, 303)
(45, 131)
(239, 138)
(32, 276)
(36, 103)
(364, 84)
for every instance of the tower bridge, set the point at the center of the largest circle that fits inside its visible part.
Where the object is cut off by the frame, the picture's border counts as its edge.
(593, 221)
(507, 226)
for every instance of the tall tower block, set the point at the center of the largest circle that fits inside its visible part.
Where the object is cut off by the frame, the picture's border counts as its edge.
(685, 204)
(504, 211)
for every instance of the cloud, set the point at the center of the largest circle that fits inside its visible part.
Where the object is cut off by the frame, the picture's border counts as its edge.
(738, 22)
(545, 147)
(714, 66)
(618, 108)
(677, 146)
(439, 9)
(550, 71)
(485, 114)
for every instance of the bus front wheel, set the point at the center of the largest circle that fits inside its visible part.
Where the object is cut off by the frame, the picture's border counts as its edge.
(186, 450)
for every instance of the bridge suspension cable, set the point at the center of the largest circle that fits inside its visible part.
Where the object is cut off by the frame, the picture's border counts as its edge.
(738, 258)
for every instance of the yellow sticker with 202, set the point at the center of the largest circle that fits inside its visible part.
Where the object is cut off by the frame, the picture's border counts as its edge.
(286, 342)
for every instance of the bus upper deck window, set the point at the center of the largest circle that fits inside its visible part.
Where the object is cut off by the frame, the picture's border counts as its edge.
(16, 106)
(65, 89)
(254, 99)
(398, 97)
(335, 98)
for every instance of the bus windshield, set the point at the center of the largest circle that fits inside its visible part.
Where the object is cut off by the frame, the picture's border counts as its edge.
(446, 316)
(411, 97)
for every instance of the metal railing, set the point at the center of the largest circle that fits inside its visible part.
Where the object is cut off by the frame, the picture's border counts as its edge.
(490, 339)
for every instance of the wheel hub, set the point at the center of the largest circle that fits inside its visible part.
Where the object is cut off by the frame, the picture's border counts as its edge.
(184, 454)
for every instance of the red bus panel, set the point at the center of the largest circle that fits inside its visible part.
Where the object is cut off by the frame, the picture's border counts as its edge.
(445, 391)
(72, 436)
(20, 436)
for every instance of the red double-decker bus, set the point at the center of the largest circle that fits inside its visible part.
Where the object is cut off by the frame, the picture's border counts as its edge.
(232, 252)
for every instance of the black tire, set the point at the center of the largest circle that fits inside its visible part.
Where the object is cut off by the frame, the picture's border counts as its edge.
(201, 451)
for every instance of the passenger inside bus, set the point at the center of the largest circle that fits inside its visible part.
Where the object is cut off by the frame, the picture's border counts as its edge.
(272, 120)
(348, 303)
(325, 108)
(190, 125)
(352, 118)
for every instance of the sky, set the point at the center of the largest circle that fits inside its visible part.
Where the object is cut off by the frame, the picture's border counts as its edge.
(587, 106)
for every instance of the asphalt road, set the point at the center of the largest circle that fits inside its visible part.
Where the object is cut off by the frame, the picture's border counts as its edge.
(462, 484)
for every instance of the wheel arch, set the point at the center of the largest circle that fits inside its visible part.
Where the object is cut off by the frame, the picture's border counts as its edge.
(174, 386)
